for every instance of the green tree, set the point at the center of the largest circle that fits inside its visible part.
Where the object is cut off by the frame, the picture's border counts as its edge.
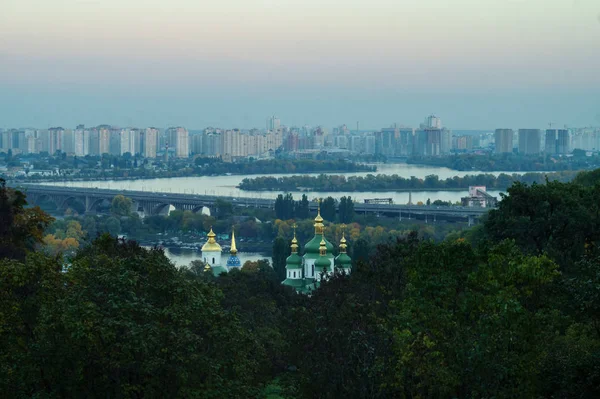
(361, 251)
(21, 229)
(111, 226)
(121, 206)
(281, 250)
(224, 208)
(328, 209)
(346, 210)
(302, 208)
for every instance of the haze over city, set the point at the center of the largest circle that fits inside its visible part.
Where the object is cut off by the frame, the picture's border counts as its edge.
(481, 64)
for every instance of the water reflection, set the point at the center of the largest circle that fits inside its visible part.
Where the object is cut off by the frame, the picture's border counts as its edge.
(227, 185)
(183, 257)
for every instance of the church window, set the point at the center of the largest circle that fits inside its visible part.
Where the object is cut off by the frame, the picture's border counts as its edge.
(313, 270)
(294, 274)
(213, 261)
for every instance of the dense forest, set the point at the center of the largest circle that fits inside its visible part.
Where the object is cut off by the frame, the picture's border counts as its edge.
(511, 162)
(507, 309)
(395, 182)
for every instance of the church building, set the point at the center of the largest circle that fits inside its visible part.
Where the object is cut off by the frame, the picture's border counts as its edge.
(211, 255)
(304, 273)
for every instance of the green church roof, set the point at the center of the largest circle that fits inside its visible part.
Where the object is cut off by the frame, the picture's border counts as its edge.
(312, 247)
(321, 263)
(343, 260)
(294, 261)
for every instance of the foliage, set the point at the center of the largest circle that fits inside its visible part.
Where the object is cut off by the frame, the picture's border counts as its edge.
(121, 206)
(281, 250)
(555, 218)
(395, 182)
(122, 321)
(21, 229)
(510, 162)
(346, 210)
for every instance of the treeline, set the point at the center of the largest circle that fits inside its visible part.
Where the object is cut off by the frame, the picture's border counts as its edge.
(286, 208)
(133, 167)
(395, 182)
(510, 162)
(209, 167)
(508, 309)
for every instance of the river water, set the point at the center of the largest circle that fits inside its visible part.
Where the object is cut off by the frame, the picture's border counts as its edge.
(227, 185)
(183, 257)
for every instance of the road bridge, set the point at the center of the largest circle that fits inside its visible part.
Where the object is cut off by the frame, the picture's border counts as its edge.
(153, 203)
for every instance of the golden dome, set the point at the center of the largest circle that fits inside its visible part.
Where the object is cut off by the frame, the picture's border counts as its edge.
(319, 220)
(233, 250)
(294, 241)
(211, 245)
(343, 245)
(322, 247)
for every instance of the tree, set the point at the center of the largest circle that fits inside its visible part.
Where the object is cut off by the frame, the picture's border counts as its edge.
(21, 229)
(559, 219)
(111, 226)
(346, 210)
(302, 208)
(121, 206)
(328, 209)
(361, 251)
(224, 208)
(281, 250)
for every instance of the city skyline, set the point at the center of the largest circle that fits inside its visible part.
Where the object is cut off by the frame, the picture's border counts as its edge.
(481, 64)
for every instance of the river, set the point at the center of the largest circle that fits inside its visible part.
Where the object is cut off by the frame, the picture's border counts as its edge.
(227, 185)
(183, 257)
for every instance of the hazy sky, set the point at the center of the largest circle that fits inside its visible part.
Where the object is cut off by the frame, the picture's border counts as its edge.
(231, 63)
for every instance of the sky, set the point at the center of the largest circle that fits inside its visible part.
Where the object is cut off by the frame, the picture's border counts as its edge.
(477, 64)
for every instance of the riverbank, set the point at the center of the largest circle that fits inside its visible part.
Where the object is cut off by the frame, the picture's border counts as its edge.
(395, 183)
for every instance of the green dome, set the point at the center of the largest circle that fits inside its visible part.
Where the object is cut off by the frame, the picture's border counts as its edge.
(294, 261)
(312, 247)
(322, 263)
(343, 260)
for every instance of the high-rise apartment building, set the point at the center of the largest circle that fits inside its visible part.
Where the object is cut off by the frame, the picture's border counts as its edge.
(68, 141)
(273, 123)
(178, 138)
(550, 145)
(385, 141)
(530, 141)
(124, 144)
(404, 144)
(463, 143)
(563, 142)
(150, 142)
(79, 137)
(433, 121)
(504, 141)
(104, 140)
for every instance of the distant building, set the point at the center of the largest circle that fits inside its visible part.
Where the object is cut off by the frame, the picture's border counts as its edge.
(273, 123)
(563, 142)
(103, 141)
(479, 197)
(178, 138)
(80, 147)
(404, 144)
(149, 142)
(503, 139)
(530, 141)
(385, 141)
(463, 143)
(550, 144)
(432, 121)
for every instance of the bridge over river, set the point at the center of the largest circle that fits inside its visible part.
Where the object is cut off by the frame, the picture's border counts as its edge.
(153, 203)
